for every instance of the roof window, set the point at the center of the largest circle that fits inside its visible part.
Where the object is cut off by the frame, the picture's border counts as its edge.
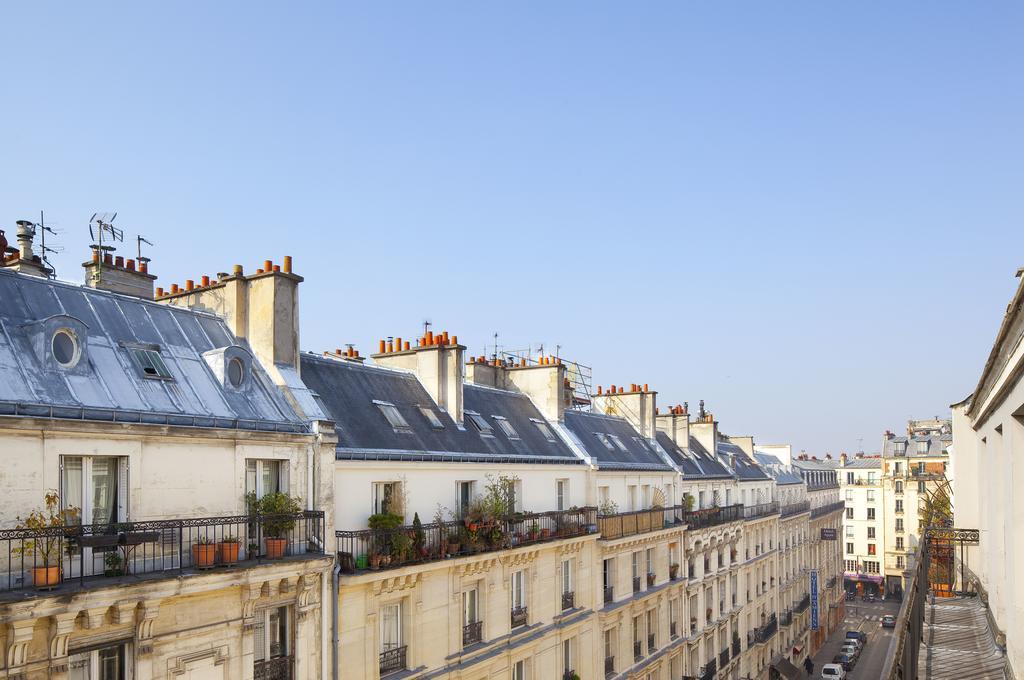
(506, 427)
(544, 429)
(432, 418)
(603, 438)
(395, 418)
(64, 346)
(618, 443)
(481, 423)
(150, 363)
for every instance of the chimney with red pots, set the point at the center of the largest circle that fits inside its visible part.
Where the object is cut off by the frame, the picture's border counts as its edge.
(106, 271)
(637, 404)
(437, 360)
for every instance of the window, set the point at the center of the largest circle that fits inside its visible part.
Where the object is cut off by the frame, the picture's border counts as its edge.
(64, 346)
(871, 495)
(464, 491)
(849, 478)
(432, 418)
(899, 525)
(519, 671)
(849, 513)
(481, 424)
(849, 531)
(920, 487)
(618, 443)
(899, 561)
(899, 487)
(603, 438)
(871, 567)
(899, 543)
(899, 506)
(395, 419)
(609, 648)
(899, 449)
(603, 496)
(871, 548)
(150, 363)
(871, 513)
(567, 665)
(631, 495)
(871, 478)
(470, 613)
(636, 564)
(236, 372)
(387, 498)
(637, 636)
(544, 429)
(650, 561)
(608, 574)
(106, 663)
(562, 493)
(506, 427)
(652, 628)
(97, 486)
(271, 639)
(265, 476)
(922, 446)
(871, 532)
(897, 468)
(391, 633)
(567, 576)
(849, 494)
(851, 565)
(849, 548)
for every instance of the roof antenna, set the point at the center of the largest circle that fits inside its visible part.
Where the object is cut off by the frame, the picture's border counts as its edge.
(99, 225)
(43, 229)
(139, 240)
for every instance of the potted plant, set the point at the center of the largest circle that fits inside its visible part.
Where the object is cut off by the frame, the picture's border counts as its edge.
(113, 564)
(204, 553)
(277, 512)
(419, 538)
(534, 531)
(374, 560)
(545, 533)
(47, 545)
(454, 543)
(228, 549)
(673, 570)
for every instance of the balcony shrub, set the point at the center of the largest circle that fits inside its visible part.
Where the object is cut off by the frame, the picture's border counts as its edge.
(47, 548)
(278, 510)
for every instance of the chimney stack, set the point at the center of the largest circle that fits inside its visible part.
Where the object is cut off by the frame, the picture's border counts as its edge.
(842, 459)
(638, 406)
(676, 424)
(437, 360)
(25, 261)
(106, 272)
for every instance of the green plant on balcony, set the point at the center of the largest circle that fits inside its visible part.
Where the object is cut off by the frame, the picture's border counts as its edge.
(419, 537)
(47, 547)
(278, 513)
(113, 564)
(608, 507)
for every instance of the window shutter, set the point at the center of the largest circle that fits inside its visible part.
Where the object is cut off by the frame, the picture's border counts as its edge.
(123, 506)
(259, 637)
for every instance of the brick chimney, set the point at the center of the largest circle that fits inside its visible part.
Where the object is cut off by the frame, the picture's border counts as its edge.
(263, 308)
(676, 424)
(705, 429)
(437, 360)
(637, 404)
(24, 260)
(842, 459)
(106, 271)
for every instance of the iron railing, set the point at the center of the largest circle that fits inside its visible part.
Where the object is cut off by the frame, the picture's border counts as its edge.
(827, 509)
(723, 658)
(636, 522)
(68, 556)
(392, 660)
(637, 650)
(568, 600)
(765, 632)
(672, 629)
(650, 644)
(609, 665)
(801, 606)
(735, 646)
(707, 671)
(278, 668)
(389, 548)
(609, 594)
(795, 508)
(519, 616)
(472, 633)
(762, 510)
(786, 618)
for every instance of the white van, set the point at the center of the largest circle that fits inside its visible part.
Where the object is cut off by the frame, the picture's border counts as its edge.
(832, 671)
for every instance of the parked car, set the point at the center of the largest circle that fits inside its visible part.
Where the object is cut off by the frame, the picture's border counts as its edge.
(888, 621)
(851, 649)
(857, 635)
(845, 660)
(850, 596)
(869, 597)
(833, 671)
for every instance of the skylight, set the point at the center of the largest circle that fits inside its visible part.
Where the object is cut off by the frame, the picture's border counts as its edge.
(618, 443)
(481, 423)
(506, 427)
(429, 414)
(395, 418)
(603, 438)
(544, 429)
(150, 363)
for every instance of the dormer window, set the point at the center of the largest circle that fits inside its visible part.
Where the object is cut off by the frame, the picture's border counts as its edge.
(150, 363)
(922, 446)
(481, 423)
(432, 418)
(236, 372)
(544, 429)
(506, 427)
(232, 365)
(900, 448)
(64, 346)
(394, 417)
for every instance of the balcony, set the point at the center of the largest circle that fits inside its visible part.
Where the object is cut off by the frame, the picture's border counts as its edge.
(707, 671)
(472, 633)
(735, 646)
(278, 668)
(827, 509)
(91, 553)
(392, 660)
(672, 630)
(765, 632)
(763, 510)
(518, 616)
(723, 658)
(609, 594)
(786, 618)
(801, 606)
(609, 665)
(795, 508)
(568, 600)
(390, 548)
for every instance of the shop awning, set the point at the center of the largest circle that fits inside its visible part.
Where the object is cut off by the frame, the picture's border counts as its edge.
(788, 670)
(797, 649)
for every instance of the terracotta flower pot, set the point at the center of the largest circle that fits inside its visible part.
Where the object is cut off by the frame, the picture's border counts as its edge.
(204, 555)
(276, 547)
(46, 577)
(229, 552)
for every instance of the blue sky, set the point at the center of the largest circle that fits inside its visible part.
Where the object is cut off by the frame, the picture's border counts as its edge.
(808, 215)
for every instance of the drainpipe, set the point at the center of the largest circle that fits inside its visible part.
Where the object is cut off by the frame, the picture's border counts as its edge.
(335, 574)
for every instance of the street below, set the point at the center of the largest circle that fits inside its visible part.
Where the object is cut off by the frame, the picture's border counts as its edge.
(865, 617)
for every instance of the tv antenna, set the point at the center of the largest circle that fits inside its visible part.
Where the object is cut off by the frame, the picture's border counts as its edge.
(101, 228)
(426, 326)
(39, 228)
(139, 240)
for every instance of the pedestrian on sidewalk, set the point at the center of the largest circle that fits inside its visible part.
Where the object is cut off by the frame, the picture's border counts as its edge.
(809, 666)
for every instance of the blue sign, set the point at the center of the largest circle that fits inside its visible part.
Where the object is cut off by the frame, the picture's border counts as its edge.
(814, 599)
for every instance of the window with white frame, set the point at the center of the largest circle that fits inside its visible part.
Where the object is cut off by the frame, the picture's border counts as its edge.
(645, 496)
(567, 657)
(265, 476)
(631, 496)
(97, 486)
(544, 429)
(506, 427)
(470, 604)
(387, 498)
(391, 634)
(393, 416)
(519, 670)
(518, 588)
(562, 493)
(567, 569)
(610, 637)
(110, 662)
(271, 635)
(464, 496)
(650, 561)
(482, 426)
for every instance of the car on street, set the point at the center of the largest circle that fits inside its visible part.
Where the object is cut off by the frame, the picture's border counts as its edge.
(850, 596)
(833, 671)
(845, 660)
(851, 649)
(888, 621)
(857, 635)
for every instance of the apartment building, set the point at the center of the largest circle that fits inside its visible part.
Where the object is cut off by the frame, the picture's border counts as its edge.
(915, 470)
(864, 521)
(825, 604)
(988, 441)
(160, 513)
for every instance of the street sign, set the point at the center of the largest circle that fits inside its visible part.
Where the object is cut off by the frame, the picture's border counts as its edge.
(828, 534)
(814, 599)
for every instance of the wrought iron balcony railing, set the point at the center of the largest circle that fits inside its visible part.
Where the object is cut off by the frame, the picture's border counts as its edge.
(472, 633)
(609, 665)
(390, 548)
(519, 616)
(795, 508)
(801, 606)
(392, 660)
(623, 524)
(827, 509)
(636, 584)
(672, 629)
(85, 553)
(723, 658)
(762, 510)
(707, 671)
(650, 644)
(568, 600)
(786, 618)
(637, 650)
(609, 594)
(278, 668)
(735, 646)
(765, 632)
